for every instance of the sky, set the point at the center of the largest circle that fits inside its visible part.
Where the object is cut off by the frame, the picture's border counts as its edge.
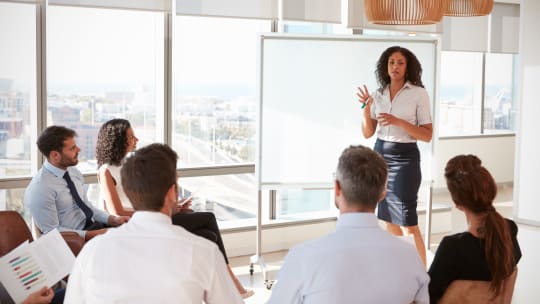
(96, 46)
(87, 47)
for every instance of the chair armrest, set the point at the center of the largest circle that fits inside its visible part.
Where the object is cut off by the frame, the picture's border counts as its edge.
(73, 240)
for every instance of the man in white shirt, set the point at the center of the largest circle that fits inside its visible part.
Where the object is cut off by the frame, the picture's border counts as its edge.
(359, 262)
(150, 260)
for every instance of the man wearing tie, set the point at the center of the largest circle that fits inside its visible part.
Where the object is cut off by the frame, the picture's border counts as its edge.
(56, 196)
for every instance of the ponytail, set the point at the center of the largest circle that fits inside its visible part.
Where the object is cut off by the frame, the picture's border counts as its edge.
(472, 186)
(498, 250)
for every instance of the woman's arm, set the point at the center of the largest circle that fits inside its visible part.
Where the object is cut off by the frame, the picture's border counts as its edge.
(110, 195)
(422, 132)
(369, 125)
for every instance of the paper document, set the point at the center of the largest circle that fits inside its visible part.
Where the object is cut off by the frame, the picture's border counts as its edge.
(31, 266)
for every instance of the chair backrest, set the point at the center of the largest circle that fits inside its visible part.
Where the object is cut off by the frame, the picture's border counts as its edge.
(36, 233)
(74, 241)
(468, 291)
(13, 231)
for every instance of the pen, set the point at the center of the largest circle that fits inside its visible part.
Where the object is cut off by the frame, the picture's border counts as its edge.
(364, 104)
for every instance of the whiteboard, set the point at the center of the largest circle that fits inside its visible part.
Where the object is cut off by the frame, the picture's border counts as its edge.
(308, 107)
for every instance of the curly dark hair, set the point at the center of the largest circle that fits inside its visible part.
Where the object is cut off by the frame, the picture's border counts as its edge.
(414, 68)
(112, 142)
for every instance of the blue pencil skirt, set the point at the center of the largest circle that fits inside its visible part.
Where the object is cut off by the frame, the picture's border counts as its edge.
(404, 178)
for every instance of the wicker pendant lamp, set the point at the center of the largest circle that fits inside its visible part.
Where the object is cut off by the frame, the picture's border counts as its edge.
(469, 8)
(405, 12)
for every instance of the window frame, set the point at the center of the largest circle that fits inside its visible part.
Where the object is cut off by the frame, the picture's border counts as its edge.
(481, 121)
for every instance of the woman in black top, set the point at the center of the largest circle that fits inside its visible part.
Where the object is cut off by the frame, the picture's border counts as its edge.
(488, 250)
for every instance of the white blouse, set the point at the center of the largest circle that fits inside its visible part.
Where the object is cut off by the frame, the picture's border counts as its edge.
(411, 104)
(115, 173)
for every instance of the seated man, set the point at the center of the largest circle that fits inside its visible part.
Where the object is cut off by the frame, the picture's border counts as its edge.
(56, 196)
(359, 262)
(150, 260)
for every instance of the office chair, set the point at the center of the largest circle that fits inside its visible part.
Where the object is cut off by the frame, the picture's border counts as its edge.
(468, 292)
(14, 231)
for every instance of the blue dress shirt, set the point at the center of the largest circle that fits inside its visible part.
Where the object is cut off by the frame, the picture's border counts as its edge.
(50, 203)
(357, 263)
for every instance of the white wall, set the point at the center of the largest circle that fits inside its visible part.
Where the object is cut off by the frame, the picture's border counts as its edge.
(526, 198)
(496, 153)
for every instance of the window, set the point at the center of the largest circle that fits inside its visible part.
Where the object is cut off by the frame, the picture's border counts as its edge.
(499, 106)
(229, 197)
(215, 108)
(307, 202)
(105, 64)
(476, 93)
(460, 93)
(17, 88)
(12, 199)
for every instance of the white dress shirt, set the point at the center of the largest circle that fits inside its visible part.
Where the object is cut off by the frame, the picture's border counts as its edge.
(411, 104)
(150, 260)
(357, 263)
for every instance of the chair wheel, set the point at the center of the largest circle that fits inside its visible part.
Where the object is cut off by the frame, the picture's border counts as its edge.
(269, 284)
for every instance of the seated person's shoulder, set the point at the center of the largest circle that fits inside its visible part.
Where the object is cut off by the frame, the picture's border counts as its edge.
(38, 189)
(513, 226)
(455, 241)
(197, 242)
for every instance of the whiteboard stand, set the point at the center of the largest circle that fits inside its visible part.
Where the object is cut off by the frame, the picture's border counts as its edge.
(429, 206)
(257, 258)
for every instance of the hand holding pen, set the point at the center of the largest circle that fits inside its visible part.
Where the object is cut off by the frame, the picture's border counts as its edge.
(363, 96)
(184, 205)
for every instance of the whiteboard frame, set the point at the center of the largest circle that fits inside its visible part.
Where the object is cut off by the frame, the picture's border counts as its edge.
(284, 36)
(435, 40)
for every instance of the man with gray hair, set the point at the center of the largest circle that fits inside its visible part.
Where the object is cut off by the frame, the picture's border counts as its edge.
(359, 262)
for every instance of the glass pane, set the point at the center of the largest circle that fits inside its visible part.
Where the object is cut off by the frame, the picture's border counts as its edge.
(17, 87)
(460, 93)
(12, 199)
(499, 109)
(215, 108)
(229, 197)
(305, 203)
(105, 64)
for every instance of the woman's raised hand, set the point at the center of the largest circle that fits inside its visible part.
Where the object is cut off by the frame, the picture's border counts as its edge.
(363, 96)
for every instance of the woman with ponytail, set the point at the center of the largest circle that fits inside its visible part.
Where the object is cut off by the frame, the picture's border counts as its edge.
(488, 250)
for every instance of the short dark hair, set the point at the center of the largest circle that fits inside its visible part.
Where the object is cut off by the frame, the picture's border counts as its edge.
(52, 139)
(112, 142)
(362, 175)
(169, 152)
(148, 175)
(414, 68)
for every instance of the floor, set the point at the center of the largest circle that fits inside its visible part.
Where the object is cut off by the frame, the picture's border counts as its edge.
(527, 285)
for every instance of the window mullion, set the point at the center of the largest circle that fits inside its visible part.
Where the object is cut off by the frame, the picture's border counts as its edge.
(41, 82)
(483, 92)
